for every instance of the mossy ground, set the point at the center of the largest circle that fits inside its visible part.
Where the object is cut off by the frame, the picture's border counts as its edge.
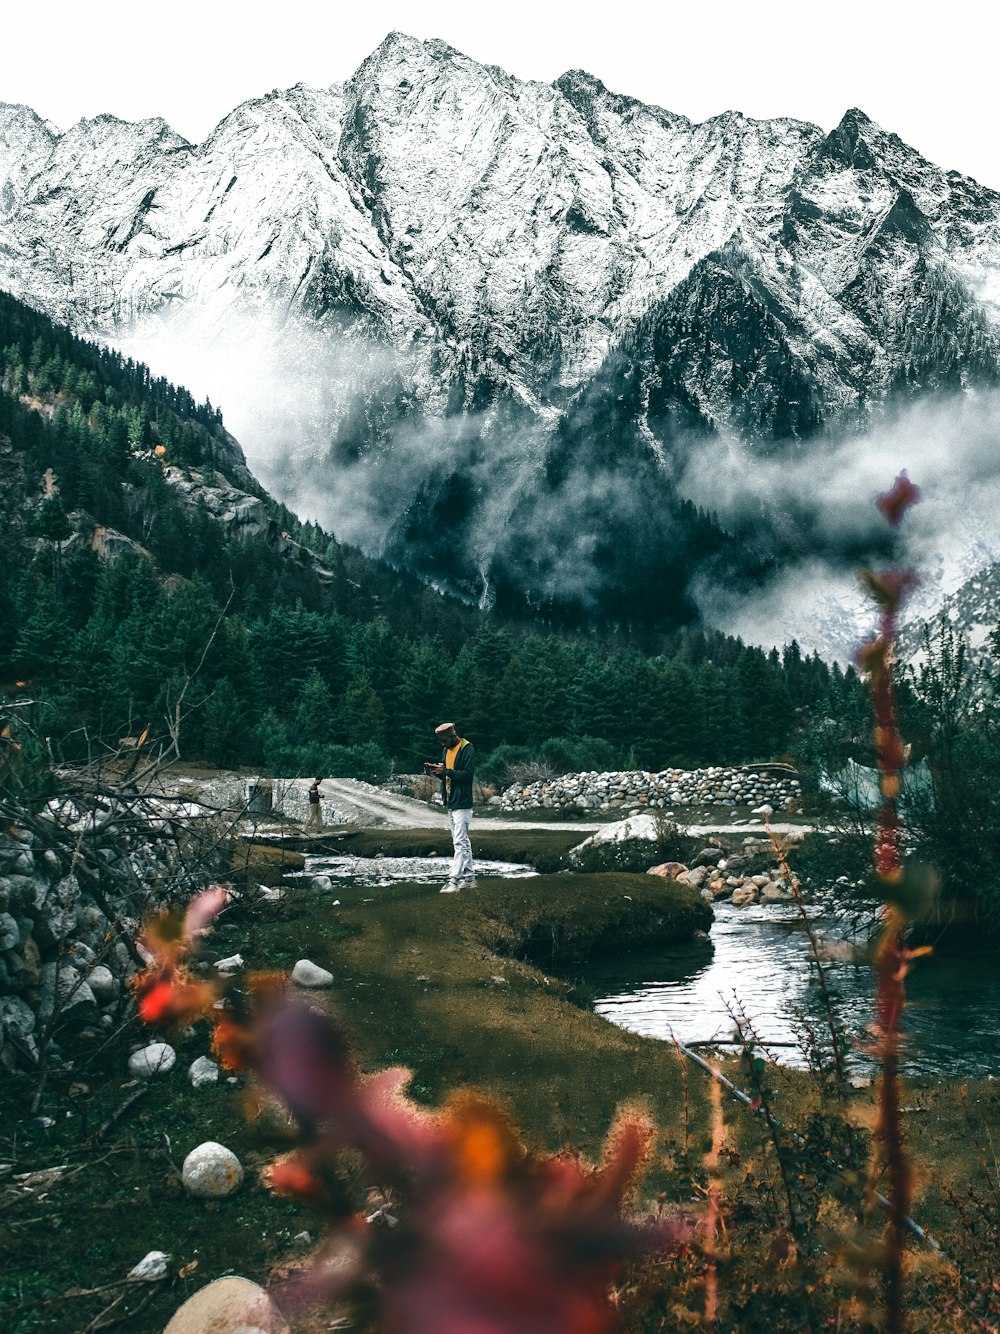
(417, 985)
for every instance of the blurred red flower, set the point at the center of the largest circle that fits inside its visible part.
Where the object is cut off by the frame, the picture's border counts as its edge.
(897, 500)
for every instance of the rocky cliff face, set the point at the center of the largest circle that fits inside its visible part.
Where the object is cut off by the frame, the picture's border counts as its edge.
(461, 283)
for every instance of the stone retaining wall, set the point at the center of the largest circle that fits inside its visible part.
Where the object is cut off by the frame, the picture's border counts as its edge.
(75, 879)
(776, 786)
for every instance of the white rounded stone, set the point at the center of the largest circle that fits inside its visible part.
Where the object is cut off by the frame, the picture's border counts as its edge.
(308, 974)
(225, 1306)
(156, 1059)
(211, 1171)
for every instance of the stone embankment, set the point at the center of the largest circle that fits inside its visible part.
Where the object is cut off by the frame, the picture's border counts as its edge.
(775, 785)
(75, 879)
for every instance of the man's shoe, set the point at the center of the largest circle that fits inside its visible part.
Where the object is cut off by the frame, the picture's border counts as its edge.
(450, 888)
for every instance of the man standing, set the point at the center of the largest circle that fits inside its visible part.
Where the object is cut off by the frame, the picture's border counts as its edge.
(314, 820)
(455, 771)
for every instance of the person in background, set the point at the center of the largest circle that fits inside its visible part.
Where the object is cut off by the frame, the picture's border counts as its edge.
(456, 768)
(314, 820)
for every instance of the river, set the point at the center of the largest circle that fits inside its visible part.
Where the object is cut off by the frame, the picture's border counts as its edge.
(757, 960)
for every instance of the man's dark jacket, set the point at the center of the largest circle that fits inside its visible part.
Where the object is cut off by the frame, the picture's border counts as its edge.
(457, 795)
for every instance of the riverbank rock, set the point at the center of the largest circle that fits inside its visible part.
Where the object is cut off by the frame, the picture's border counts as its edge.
(102, 983)
(668, 870)
(158, 1058)
(9, 933)
(65, 957)
(211, 1171)
(775, 892)
(309, 974)
(724, 873)
(226, 1306)
(17, 1031)
(64, 990)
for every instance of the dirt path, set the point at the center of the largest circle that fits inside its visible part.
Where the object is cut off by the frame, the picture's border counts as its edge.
(367, 803)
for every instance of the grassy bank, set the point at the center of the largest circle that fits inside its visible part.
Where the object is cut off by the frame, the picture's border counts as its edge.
(446, 986)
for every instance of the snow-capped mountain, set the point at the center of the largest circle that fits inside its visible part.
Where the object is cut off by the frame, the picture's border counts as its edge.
(479, 324)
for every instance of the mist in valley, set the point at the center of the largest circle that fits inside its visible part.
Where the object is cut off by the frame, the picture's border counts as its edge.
(372, 442)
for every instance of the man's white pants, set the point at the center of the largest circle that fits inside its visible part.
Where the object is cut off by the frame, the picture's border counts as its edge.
(461, 864)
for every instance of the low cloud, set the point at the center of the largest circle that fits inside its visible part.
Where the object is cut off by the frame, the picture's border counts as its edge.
(816, 501)
(284, 388)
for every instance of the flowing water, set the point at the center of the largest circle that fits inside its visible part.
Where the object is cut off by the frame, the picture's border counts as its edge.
(757, 961)
(368, 871)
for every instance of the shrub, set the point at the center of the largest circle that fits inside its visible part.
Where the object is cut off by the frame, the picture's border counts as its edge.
(558, 755)
(284, 755)
(633, 854)
(368, 762)
(579, 754)
(497, 768)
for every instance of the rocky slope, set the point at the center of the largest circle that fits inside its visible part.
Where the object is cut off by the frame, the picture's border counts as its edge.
(436, 295)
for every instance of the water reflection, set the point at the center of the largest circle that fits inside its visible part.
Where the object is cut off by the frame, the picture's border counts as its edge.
(758, 957)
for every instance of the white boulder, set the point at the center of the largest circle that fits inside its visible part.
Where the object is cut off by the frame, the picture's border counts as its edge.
(211, 1171)
(158, 1058)
(309, 974)
(203, 1071)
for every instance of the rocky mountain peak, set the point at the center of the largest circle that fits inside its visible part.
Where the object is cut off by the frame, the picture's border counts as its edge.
(463, 272)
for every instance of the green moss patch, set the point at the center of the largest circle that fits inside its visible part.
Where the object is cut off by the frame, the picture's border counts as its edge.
(560, 920)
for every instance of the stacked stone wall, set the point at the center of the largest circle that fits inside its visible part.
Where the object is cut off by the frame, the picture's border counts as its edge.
(75, 880)
(776, 786)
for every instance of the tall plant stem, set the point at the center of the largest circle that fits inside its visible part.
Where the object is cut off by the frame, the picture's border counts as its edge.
(792, 881)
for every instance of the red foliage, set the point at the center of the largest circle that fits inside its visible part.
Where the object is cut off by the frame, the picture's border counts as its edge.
(166, 992)
(489, 1238)
(892, 959)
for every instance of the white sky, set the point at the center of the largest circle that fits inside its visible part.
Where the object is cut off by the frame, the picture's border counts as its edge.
(926, 73)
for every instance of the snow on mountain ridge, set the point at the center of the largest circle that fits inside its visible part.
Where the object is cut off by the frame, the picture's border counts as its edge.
(480, 197)
(433, 248)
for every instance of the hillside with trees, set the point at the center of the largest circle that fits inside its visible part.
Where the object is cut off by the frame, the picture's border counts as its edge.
(132, 600)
